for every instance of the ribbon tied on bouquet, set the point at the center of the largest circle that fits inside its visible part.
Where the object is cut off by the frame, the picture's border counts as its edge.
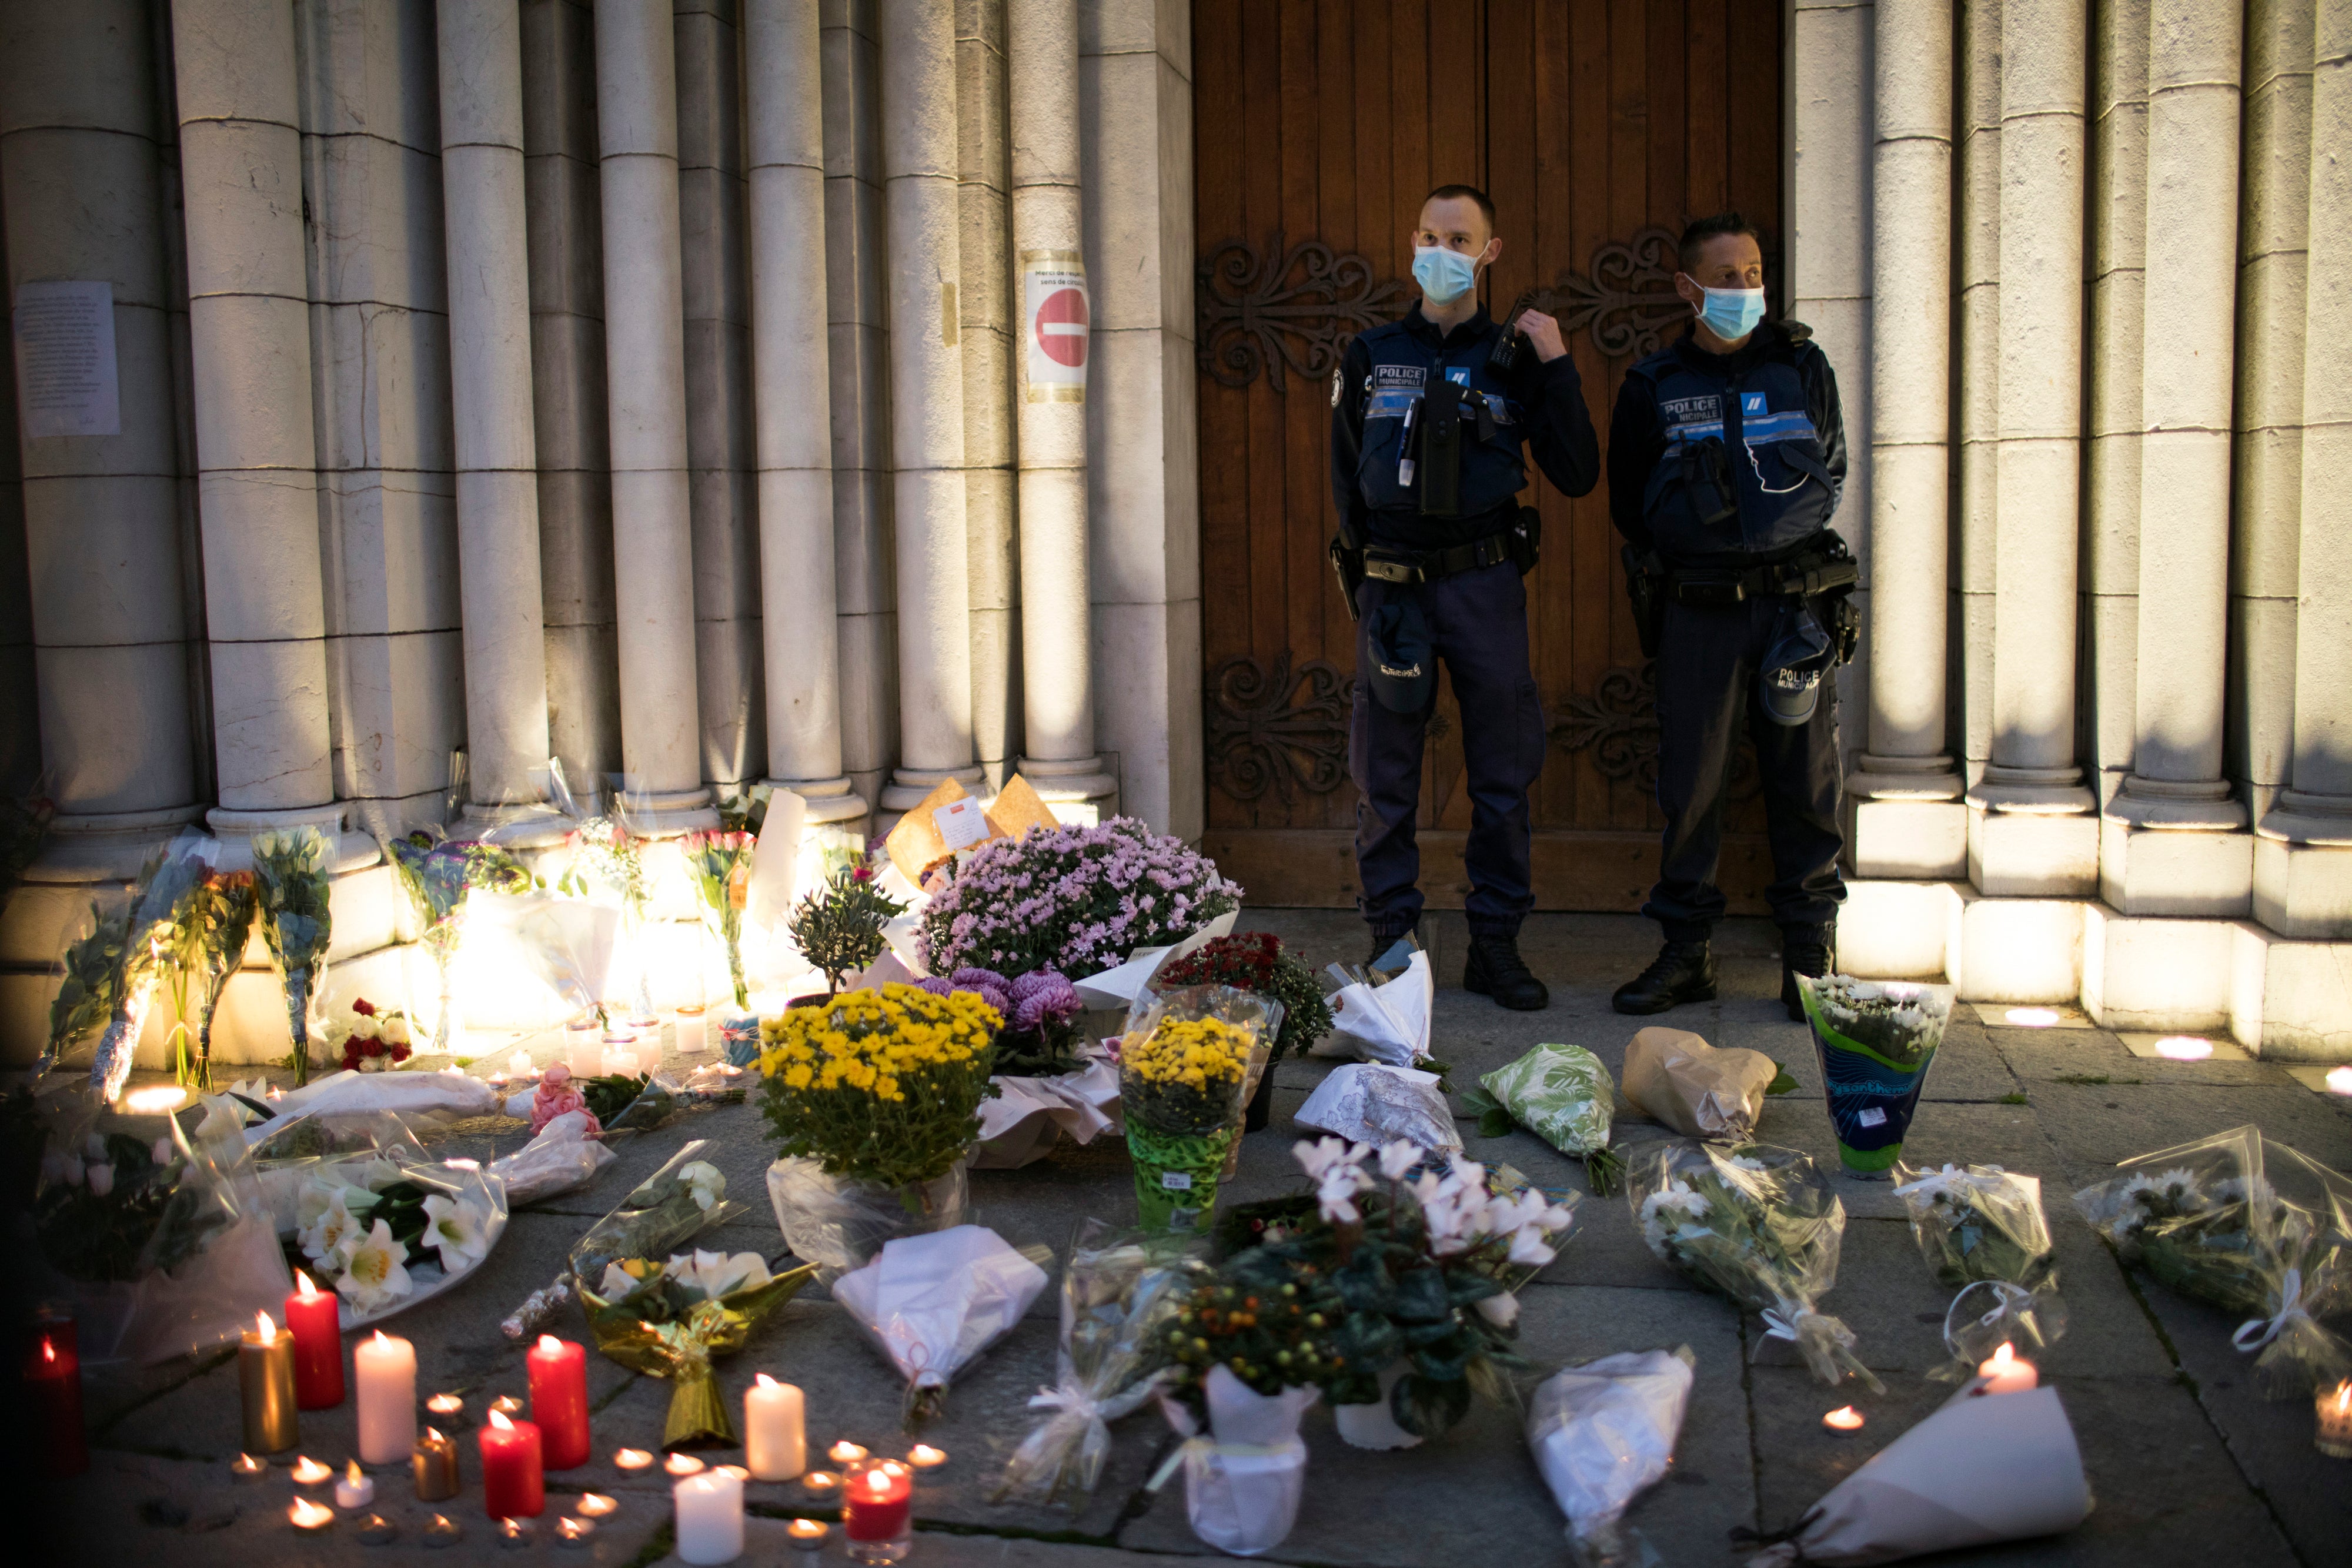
(2264, 1330)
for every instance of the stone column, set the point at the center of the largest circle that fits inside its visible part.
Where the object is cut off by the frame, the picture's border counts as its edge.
(2175, 844)
(791, 376)
(1048, 230)
(927, 403)
(1143, 487)
(2303, 866)
(986, 311)
(2030, 833)
(1908, 821)
(644, 347)
(20, 710)
(249, 328)
(481, 46)
(1979, 244)
(97, 539)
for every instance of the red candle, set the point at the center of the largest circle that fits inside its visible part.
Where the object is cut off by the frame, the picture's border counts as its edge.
(513, 1484)
(559, 1399)
(875, 1502)
(53, 1378)
(311, 1318)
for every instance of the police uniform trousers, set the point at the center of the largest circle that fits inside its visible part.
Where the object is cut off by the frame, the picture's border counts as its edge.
(1478, 632)
(1706, 674)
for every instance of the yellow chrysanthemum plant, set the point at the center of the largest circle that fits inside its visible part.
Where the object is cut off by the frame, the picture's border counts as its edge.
(880, 1086)
(1182, 1065)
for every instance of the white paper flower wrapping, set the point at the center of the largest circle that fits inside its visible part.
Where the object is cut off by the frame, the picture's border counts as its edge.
(1386, 1023)
(1370, 1103)
(933, 1302)
(1604, 1432)
(1242, 1481)
(1029, 1114)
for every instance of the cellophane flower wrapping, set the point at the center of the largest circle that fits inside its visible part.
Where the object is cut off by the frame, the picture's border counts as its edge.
(841, 1223)
(661, 1214)
(720, 862)
(2254, 1226)
(1604, 1432)
(1876, 1040)
(671, 1317)
(1756, 1223)
(1256, 961)
(1121, 1292)
(152, 1226)
(931, 1303)
(1982, 1228)
(1185, 1066)
(1074, 899)
(363, 1211)
(1369, 1102)
(293, 882)
(1242, 1480)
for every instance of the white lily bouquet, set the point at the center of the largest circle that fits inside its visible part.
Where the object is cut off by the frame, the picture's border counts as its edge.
(1758, 1224)
(932, 1303)
(1982, 1228)
(2251, 1226)
(661, 1214)
(670, 1318)
(366, 1212)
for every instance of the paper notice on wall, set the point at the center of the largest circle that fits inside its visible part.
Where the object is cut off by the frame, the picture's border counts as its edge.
(66, 382)
(1053, 304)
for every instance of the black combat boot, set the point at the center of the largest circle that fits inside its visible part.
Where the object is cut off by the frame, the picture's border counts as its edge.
(1681, 972)
(1382, 944)
(1496, 969)
(1804, 950)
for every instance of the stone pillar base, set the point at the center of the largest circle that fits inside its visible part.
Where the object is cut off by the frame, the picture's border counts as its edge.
(1081, 792)
(106, 846)
(667, 813)
(533, 827)
(2290, 1001)
(2024, 851)
(2302, 867)
(830, 800)
(1909, 840)
(2147, 870)
(237, 828)
(2157, 974)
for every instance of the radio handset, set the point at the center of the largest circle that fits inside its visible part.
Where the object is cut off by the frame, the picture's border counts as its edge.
(1505, 355)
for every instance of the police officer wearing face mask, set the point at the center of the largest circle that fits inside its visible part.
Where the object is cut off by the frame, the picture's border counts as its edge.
(1430, 415)
(1725, 457)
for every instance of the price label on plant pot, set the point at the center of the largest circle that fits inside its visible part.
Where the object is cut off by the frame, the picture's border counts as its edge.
(1176, 1181)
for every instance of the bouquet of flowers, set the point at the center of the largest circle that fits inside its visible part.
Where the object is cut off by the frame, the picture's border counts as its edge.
(1120, 1296)
(874, 1097)
(662, 1214)
(1074, 899)
(720, 864)
(1563, 1096)
(1982, 1228)
(1040, 1034)
(2252, 1227)
(1755, 1223)
(378, 1040)
(1604, 1431)
(839, 927)
(1876, 1040)
(292, 886)
(145, 938)
(94, 980)
(215, 922)
(605, 854)
(437, 873)
(1184, 1065)
(1256, 962)
(669, 1319)
(153, 1229)
(1394, 1294)
(1049, 1080)
(931, 1302)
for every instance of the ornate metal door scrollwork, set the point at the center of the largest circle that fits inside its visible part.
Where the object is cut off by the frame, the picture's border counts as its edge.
(1619, 723)
(1269, 729)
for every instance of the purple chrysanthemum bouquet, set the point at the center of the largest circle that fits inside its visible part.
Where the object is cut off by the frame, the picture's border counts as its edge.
(1072, 899)
(1040, 1009)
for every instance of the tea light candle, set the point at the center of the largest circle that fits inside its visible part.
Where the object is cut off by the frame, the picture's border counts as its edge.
(572, 1531)
(807, 1534)
(313, 1319)
(844, 1453)
(520, 1065)
(513, 1484)
(247, 1468)
(354, 1490)
(559, 1399)
(2335, 1409)
(877, 1507)
(710, 1511)
(507, 1405)
(377, 1530)
(923, 1457)
(387, 1374)
(690, 1036)
(596, 1505)
(619, 1060)
(443, 1530)
(265, 1378)
(1844, 1421)
(2006, 1372)
(310, 1472)
(435, 1463)
(447, 1410)
(2339, 1080)
(821, 1483)
(682, 1464)
(53, 1379)
(631, 1459)
(775, 1437)
(514, 1534)
(310, 1516)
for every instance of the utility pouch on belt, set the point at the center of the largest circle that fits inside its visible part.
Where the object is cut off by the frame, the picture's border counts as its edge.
(1645, 586)
(1440, 434)
(1348, 563)
(1527, 540)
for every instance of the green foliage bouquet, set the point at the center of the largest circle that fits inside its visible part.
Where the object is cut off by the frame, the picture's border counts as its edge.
(839, 928)
(293, 883)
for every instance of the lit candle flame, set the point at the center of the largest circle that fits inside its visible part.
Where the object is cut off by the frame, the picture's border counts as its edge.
(380, 1338)
(498, 1420)
(806, 1530)
(265, 1327)
(2003, 1359)
(550, 1344)
(310, 1472)
(632, 1458)
(596, 1505)
(48, 1351)
(434, 1438)
(309, 1515)
(2339, 1080)
(845, 1452)
(878, 1482)
(682, 1464)
(354, 1474)
(922, 1456)
(764, 1381)
(152, 1100)
(1844, 1418)
(444, 1404)
(310, 1291)
(737, 1471)
(2344, 1398)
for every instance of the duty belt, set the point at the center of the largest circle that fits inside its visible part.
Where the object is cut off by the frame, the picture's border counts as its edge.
(1806, 575)
(1410, 566)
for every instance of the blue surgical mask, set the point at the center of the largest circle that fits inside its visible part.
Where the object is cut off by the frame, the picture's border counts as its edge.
(1732, 313)
(1445, 275)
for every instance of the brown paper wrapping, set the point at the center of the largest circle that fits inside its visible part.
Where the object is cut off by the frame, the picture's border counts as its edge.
(915, 844)
(1677, 1078)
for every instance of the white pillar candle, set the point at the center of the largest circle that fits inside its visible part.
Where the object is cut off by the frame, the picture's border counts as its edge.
(709, 1517)
(690, 1036)
(775, 1439)
(387, 1375)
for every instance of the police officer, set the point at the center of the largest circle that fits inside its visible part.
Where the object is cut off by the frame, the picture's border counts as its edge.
(1430, 414)
(1727, 454)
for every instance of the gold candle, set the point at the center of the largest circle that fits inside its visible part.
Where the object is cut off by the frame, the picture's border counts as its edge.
(264, 1377)
(436, 1463)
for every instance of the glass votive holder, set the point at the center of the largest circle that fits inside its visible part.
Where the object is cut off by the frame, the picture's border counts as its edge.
(877, 1522)
(2334, 1410)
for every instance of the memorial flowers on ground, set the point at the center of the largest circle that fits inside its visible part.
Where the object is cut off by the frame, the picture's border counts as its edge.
(669, 1317)
(292, 880)
(437, 873)
(1184, 1065)
(720, 862)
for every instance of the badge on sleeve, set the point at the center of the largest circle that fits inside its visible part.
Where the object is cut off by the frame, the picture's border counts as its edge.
(1338, 384)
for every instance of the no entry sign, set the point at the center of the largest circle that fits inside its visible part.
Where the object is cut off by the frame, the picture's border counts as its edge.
(1053, 300)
